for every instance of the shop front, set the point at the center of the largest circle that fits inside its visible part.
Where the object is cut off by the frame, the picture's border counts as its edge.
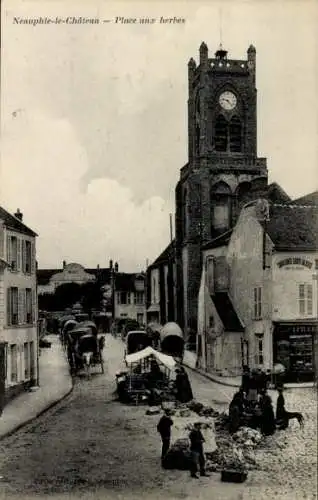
(295, 346)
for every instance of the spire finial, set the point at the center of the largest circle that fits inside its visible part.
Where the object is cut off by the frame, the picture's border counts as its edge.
(220, 21)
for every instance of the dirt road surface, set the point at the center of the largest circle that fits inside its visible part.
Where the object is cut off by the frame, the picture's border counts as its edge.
(91, 446)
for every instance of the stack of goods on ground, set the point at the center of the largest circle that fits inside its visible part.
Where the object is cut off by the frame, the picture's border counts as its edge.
(232, 455)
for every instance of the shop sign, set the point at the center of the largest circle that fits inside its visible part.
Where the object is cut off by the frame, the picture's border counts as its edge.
(294, 261)
(304, 329)
(297, 329)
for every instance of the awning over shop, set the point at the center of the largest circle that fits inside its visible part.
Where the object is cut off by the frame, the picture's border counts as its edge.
(154, 308)
(166, 360)
(3, 263)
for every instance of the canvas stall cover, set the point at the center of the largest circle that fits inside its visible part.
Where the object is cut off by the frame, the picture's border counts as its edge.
(166, 360)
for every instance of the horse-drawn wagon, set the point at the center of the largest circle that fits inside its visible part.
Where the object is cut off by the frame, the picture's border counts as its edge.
(172, 341)
(84, 348)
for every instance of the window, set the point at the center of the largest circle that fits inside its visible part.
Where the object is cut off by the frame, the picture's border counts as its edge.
(14, 362)
(305, 299)
(154, 295)
(185, 213)
(123, 298)
(22, 306)
(258, 303)
(235, 130)
(220, 206)
(228, 134)
(259, 356)
(13, 253)
(26, 361)
(27, 257)
(32, 360)
(221, 215)
(221, 134)
(139, 298)
(12, 306)
(28, 305)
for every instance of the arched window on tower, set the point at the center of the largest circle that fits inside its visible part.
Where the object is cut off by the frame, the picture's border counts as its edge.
(228, 134)
(242, 196)
(235, 132)
(185, 213)
(220, 208)
(197, 126)
(221, 134)
(197, 139)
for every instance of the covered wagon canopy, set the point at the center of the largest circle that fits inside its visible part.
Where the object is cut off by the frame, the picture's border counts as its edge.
(137, 340)
(166, 360)
(172, 340)
(78, 331)
(88, 324)
(69, 324)
(65, 318)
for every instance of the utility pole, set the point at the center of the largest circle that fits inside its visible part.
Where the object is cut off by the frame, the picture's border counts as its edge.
(146, 291)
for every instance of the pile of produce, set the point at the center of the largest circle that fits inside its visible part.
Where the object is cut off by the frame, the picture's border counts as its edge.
(247, 437)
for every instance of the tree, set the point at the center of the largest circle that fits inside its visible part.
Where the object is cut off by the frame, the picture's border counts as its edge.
(91, 296)
(66, 295)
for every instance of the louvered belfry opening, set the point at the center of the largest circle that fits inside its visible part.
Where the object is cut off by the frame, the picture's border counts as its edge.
(221, 134)
(235, 132)
(228, 134)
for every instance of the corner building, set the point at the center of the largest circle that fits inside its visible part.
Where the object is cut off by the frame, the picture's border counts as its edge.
(223, 172)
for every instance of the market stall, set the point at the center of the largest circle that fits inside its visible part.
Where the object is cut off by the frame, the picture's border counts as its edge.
(149, 377)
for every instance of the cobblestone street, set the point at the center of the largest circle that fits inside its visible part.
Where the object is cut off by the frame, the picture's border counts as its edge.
(91, 445)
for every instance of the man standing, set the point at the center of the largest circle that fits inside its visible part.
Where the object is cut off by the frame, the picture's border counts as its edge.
(281, 414)
(164, 429)
(197, 453)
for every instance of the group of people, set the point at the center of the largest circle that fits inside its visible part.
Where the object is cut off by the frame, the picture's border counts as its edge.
(252, 400)
(197, 461)
(260, 411)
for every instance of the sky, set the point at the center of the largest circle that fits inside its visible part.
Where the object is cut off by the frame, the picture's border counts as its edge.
(94, 117)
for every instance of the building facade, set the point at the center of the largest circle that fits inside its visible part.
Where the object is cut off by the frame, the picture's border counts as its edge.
(161, 280)
(223, 171)
(50, 279)
(130, 296)
(18, 304)
(269, 281)
(231, 225)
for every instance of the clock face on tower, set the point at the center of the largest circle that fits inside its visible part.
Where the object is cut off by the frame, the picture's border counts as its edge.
(228, 100)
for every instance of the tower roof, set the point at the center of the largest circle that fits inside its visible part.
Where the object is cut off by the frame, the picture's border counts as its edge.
(221, 53)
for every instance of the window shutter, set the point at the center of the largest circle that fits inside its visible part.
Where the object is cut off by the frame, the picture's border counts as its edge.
(32, 257)
(9, 249)
(9, 306)
(34, 306)
(23, 255)
(19, 254)
(1, 240)
(22, 306)
(260, 302)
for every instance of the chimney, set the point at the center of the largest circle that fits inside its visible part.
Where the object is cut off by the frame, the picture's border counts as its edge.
(64, 264)
(18, 215)
(116, 267)
(110, 264)
(97, 266)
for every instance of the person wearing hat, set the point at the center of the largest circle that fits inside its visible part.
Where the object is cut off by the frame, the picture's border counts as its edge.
(164, 429)
(197, 453)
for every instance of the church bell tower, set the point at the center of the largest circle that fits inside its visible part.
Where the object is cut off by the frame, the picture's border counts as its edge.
(223, 170)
